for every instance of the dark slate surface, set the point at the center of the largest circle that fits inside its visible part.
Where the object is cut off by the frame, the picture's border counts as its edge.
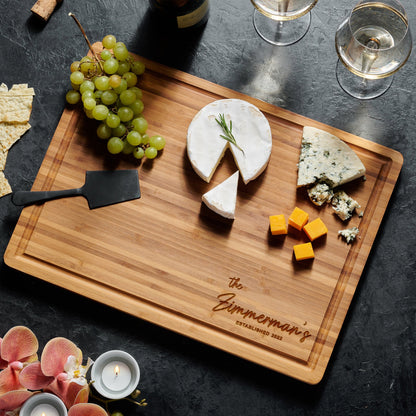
(372, 370)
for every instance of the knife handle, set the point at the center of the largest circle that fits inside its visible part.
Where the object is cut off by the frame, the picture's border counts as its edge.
(30, 197)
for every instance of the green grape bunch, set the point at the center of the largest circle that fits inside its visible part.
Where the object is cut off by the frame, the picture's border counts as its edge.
(106, 85)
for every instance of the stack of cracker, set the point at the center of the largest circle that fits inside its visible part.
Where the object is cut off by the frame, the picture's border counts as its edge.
(15, 109)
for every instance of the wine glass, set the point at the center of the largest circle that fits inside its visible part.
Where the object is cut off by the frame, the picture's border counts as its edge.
(372, 44)
(282, 22)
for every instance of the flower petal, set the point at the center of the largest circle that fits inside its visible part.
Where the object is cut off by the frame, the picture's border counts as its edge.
(3, 363)
(9, 380)
(18, 343)
(55, 355)
(71, 394)
(14, 399)
(32, 377)
(87, 409)
(82, 396)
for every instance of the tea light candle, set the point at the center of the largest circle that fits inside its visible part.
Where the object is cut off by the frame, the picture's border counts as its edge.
(43, 404)
(115, 374)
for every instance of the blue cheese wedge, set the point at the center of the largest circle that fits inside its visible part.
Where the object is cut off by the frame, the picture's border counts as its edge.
(206, 147)
(344, 205)
(324, 158)
(222, 199)
(349, 234)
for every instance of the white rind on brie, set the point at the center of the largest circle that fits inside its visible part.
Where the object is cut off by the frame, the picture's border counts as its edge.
(326, 158)
(251, 130)
(222, 199)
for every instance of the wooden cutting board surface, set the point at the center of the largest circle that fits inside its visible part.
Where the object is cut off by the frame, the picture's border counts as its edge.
(168, 259)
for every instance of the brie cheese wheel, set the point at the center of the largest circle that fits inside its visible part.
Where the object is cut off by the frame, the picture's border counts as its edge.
(206, 147)
(326, 158)
(223, 197)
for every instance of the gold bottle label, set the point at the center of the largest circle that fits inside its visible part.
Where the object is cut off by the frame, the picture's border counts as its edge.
(194, 17)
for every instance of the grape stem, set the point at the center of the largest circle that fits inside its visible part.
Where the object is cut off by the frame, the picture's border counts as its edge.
(86, 38)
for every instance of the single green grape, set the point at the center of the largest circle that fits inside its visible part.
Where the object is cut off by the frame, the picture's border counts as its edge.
(100, 112)
(74, 66)
(145, 138)
(86, 85)
(137, 91)
(127, 97)
(158, 142)
(138, 67)
(77, 77)
(131, 78)
(128, 148)
(98, 94)
(109, 41)
(139, 124)
(105, 55)
(137, 107)
(115, 145)
(138, 152)
(120, 51)
(115, 81)
(72, 97)
(123, 67)
(113, 120)
(87, 65)
(104, 131)
(120, 130)
(102, 83)
(88, 113)
(150, 152)
(134, 138)
(89, 103)
(87, 94)
(111, 66)
(125, 113)
(109, 97)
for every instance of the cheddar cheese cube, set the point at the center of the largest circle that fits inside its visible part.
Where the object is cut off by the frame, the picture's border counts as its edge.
(315, 229)
(278, 224)
(303, 251)
(298, 218)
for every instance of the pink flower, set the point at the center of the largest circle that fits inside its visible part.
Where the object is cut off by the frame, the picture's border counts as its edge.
(87, 409)
(18, 348)
(60, 372)
(13, 400)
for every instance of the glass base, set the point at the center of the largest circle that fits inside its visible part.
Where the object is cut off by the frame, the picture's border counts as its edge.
(281, 33)
(361, 88)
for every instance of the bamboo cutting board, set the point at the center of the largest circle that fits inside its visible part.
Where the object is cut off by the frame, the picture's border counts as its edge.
(167, 259)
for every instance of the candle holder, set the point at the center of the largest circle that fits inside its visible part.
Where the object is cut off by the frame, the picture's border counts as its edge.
(115, 374)
(43, 404)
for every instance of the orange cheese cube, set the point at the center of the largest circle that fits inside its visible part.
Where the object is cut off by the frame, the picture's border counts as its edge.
(278, 224)
(315, 229)
(298, 218)
(303, 251)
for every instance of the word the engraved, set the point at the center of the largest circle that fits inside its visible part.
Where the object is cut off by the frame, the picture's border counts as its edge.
(227, 303)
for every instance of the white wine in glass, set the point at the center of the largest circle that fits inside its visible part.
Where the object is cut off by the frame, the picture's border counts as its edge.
(372, 44)
(282, 22)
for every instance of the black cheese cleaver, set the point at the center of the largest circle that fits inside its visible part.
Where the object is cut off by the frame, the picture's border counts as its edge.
(101, 188)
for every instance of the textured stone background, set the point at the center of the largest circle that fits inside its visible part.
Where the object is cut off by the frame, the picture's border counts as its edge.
(372, 370)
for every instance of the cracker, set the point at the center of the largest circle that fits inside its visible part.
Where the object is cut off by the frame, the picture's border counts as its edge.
(3, 157)
(15, 109)
(5, 187)
(10, 133)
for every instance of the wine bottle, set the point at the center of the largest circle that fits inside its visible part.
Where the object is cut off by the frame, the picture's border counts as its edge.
(181, 14)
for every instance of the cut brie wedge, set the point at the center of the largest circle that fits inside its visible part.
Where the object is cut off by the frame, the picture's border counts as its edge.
(223, 197)
(326, 158)
(251, 130)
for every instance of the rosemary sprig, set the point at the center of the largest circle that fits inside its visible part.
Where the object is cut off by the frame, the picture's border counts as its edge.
(228, 131)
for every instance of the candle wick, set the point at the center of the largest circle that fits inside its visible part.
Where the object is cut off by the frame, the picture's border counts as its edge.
(117, 370)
